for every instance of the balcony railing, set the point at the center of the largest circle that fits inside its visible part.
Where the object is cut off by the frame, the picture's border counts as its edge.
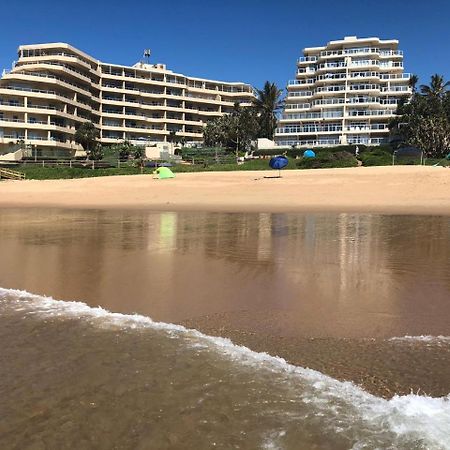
(361, 50)
(336, 88)
(300, 94)
(364, 87)
(65, 66)
(396, 89)
(297, 82)
(308, 142)
(297, 106)
(395, 76)
(370, 112)
(321, 115)
(307, 59)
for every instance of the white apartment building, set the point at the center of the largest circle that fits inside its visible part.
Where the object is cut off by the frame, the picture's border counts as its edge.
(344, 93)
(52, 88)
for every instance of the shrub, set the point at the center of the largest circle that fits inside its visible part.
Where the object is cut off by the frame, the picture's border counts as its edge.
(376, 157)
(327, 159)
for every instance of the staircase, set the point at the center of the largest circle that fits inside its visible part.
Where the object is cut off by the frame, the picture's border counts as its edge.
(9, 174)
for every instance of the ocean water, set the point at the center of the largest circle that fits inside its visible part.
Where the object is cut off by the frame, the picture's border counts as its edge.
(73, 376)
(117, 360)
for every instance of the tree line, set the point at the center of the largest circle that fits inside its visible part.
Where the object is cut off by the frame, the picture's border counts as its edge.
(245, 124)
(423, 121)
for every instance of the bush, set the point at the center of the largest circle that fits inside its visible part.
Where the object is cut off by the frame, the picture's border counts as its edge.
(188, 153)
(327, 159)
(376, 157)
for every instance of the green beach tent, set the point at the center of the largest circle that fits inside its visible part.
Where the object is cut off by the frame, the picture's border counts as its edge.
(164, 172)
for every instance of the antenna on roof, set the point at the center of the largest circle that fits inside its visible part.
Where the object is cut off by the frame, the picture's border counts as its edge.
(147, 55)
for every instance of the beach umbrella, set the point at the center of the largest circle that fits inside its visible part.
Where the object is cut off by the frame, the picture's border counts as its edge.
(164, 172)
(309, 154)
(278, 163)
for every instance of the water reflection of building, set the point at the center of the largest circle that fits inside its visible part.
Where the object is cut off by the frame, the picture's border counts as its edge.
(381, 264)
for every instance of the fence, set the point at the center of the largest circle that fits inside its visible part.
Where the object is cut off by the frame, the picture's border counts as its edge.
(11, 174)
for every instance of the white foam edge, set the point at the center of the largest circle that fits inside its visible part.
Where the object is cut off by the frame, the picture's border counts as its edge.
(421, 416)
(428, 339)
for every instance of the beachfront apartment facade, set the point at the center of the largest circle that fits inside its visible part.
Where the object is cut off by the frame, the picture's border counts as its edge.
(344, 93)
(53, 88)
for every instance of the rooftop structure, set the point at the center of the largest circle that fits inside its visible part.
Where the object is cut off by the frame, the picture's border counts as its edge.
(344, 93)
(52, 88)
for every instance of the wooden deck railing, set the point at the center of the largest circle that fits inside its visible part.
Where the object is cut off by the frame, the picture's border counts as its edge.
(11, 174)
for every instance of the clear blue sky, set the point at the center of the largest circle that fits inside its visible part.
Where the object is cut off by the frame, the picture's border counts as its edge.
(234, 40)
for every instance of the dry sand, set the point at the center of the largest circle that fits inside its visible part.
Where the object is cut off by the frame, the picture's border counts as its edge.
(400, 189)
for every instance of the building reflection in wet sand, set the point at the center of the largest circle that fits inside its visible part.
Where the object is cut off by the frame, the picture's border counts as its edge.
(346, 274)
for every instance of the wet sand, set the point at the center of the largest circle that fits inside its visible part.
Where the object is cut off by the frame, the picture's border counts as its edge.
(391, 190)
(322, 291)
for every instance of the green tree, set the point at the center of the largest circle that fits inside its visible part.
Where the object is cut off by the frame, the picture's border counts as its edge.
(437, 88)
(138, 152)
(424, 121)
(413, 80)
(86, 135)
(124, 149)
(234, 131)
(267, 105)
(173, 138)
(214, 134)
(96, 153)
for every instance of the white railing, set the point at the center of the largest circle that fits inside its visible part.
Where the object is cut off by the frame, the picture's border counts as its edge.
(364, 75)
(297, 82)
(396, 89)
(305, 71)
(395, 76)
(307, 59)
(329, 128)
(359, 50)
(370, 112)
(300, 94)
(314, 115)
(331, 88)
(308, 143)
(331, 76)
(364, 87)
(297, 106)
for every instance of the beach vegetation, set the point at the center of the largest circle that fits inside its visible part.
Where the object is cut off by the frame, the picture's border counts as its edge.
(243, 125)
(267, 105)
(328, 159)
(96, 153)
(424, 120)
(234, 131)
(87, 136)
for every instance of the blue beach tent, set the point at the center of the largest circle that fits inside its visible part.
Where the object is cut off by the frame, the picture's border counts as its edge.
(309, 154)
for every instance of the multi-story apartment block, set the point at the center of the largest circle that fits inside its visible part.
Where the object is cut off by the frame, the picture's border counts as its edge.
(344, 93)
(52, 88)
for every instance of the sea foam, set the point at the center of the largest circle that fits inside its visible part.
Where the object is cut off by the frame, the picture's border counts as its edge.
(423, 418)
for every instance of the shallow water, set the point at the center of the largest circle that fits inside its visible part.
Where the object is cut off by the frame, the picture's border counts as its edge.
(358, 297)
(116, 381)
(347, 275)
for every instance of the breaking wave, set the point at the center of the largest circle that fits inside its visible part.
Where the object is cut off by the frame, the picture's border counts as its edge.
(424, 421)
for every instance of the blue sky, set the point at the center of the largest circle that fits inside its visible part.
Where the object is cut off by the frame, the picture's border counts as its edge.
(246, 40)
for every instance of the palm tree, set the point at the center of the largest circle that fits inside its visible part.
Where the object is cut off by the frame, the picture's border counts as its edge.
(437, 87)
(268, 103)
(413, 80)
(87, 136)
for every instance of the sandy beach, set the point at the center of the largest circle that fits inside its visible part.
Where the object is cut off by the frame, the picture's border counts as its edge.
(400, 190)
